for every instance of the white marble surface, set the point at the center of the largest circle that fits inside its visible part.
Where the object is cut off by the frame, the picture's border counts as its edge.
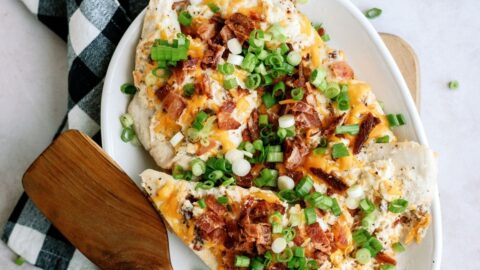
(444, 33)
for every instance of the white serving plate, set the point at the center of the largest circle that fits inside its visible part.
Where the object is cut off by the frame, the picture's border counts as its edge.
(372, 62)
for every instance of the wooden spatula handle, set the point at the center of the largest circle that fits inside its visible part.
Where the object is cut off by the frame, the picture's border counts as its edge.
(96, 206)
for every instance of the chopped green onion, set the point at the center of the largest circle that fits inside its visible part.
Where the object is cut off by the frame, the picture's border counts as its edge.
(294, 58)
(373, 13)
(361, 237)
(249, 62)
(304, 186)
(367, 206)
(258, 144)
(285, 256)
(205, 185)
(199, 120)
(242, 261)
(392, 120)
(202, 203)
(214, 8)
(188, 89)
(398, 206)
(228, 182)
(249, 147)
(274, 157)
(453, 85)
(274, 148)
(274, 60)
(297, 94)
(279, 87)
(126, 120)
(282, 133)
(343, 101)
(383, 139)
(320, 151)
(325, 37)
(401, 119)
(310, 215)
(299, 252)
(289, 234)
(185, 18)
(332, 90)
(226, 69)
(257, 265)
(230, 83)
(215, 175)
(316, 199)
(128, 89)
(369, 219)
(260, 69)
(253, 81)
(263, 119)
(267, 178)
(276, 227)
(318, 76)
(398, 247)
(312, 264)
(387, 267)
(363, 256)
(283, 48)
(222, 200)
(350, 129)
(198, 167)
(340, 150)
(127, 134)
(267, 79)
(19, 261)
(374, 246)
(268, 100)
(336, 210)
(275, 218)
(323, 142)
(178, 172)
(288, 195)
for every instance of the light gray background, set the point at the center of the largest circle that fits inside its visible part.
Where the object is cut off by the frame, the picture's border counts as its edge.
(444, 33)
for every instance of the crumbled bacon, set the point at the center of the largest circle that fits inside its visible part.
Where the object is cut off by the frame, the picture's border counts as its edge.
(331, 123)
(305, 115)
(214, 205)
(261, 210)
(298, 239)
(163, 91)
(341, 70)
(174, 105)
(295, 175)
(340, 235)
(206, 148)
(331, 180)
(203, 87)
(225, 120)
(208, 222)
(228, 106)
(212, 55)
(226, 34)
(190, 64)
(252, 131)
(245, 181)
(295, 152)
(367, 125)
(240, 25)
(384, 258)
(318, 237)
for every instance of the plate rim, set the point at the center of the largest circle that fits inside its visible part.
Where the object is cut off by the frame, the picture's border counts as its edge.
(108, 145)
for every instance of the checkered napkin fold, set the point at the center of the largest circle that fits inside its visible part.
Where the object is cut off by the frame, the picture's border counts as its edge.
(92, 29)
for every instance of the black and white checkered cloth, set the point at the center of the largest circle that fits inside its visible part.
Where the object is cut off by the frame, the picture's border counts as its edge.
(92, 29)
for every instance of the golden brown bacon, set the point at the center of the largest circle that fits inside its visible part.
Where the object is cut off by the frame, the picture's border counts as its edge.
(295, 152)
(368, 123)
(226, 34)
(331, 123)
(331, 180)
(318, 237)
(225, 120)
(341, 70)
(212, 55)
(240, 25)
(174, 105)
(384, 258)
(305, 115)
(203, 87)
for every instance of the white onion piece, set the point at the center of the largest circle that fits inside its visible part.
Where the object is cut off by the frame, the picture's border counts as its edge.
(279, 245)
(233, 155)
(352, 203)
(234, 46)
(176, 139)
(355, 192)
(285, 182)
(235, 59)
(247, 154)
(286, 121)
(241, 167)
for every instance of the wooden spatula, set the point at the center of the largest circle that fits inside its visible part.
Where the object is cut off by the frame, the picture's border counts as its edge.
(100, 210)
(96, 206)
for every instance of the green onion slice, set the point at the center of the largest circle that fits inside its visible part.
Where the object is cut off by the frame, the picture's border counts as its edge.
(128, 88)
(185, 18)
(339, 150)
(222, 200)
(242, 261)
(202, 203)
(398, 206)
(188, 89)
(363, 256)
(373, 13)
(304, 186)
(350, 129)
(127, 134)
(453, 85)
(214, 8)
(310, 215)
(297, 94)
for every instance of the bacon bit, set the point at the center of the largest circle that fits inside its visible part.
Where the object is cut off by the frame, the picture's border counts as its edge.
(308, 120)
(341, 70)
(295, 175)
(212, 55)
(309, 88)
(301, 76)
(384, 258)
(367, 125)
(252, 126)
(320, 257)
(203, 88)
(162, 92)
(261, 210)
(298, 240)
(205, 149)
(331, 124)
(295, 152)
(226, 122)
(174, 105)
(190, 64)
(340, 235)
(240, 25)
(226, 34)
(260, 233)
(208, 222)
(334, 182)
(213, 205)
(287, 101)
(318, 237)
(228, 106)
(321, 31)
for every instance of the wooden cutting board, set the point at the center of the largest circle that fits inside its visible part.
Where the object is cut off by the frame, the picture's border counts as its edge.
(88, 197)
